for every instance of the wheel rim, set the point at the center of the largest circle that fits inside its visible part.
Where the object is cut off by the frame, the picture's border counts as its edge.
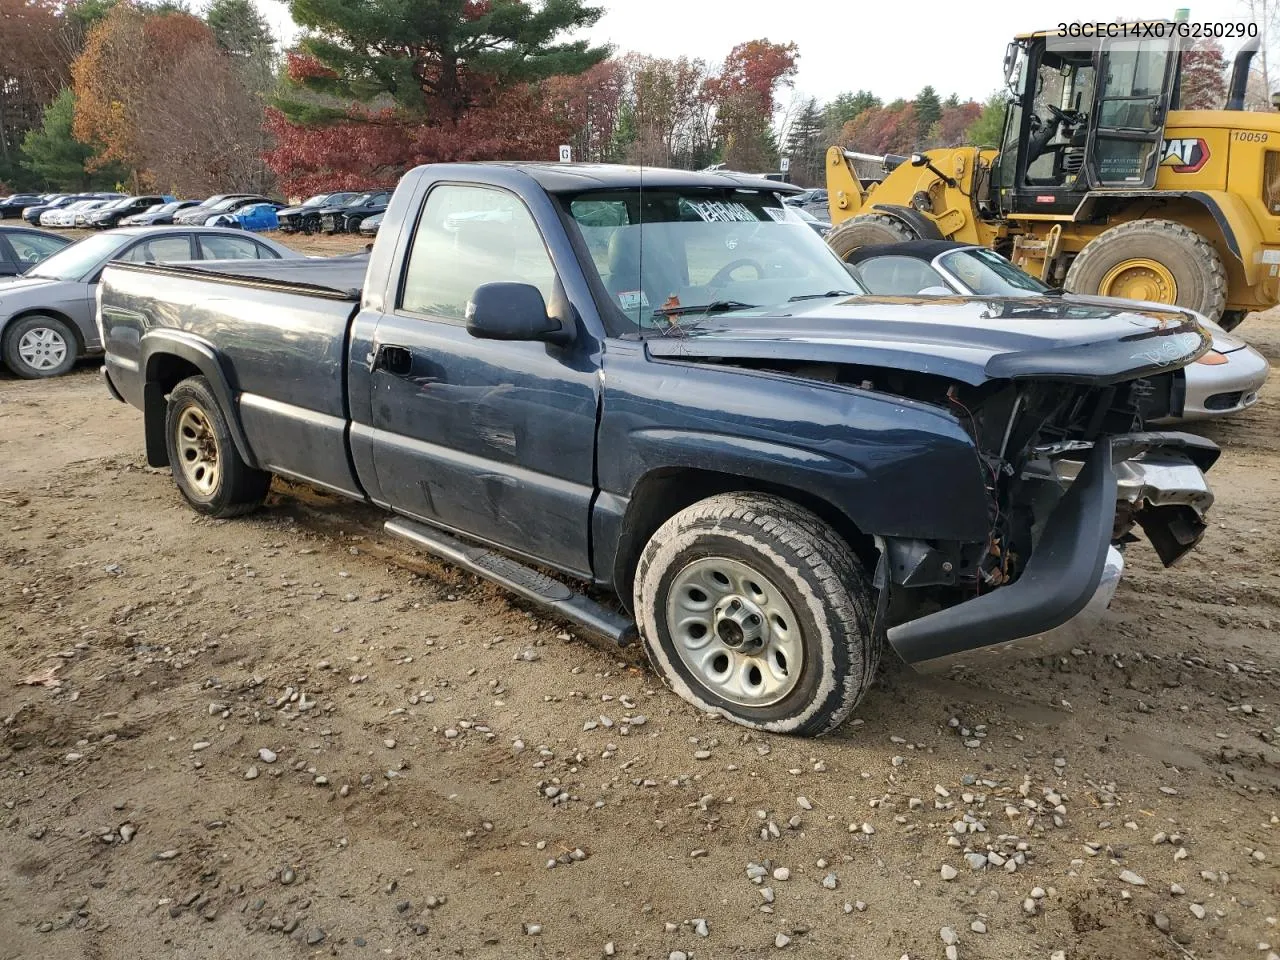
(198, 450)
(735, 631)
(42, 348)
(1140, 279)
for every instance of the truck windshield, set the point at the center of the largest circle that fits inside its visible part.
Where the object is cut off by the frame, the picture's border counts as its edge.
(668, 253)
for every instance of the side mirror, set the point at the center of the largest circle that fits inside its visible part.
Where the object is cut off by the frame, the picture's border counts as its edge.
(1275, 100)
(512, 311)
(919, 160)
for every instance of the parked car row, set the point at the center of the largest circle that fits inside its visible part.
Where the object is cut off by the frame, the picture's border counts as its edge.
(47, 313)
(342, 212)
(334, 212)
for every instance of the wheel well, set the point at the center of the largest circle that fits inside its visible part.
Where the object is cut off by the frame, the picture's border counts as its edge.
(43, 312)
(663, 493)
(168, 371)
(164, 372)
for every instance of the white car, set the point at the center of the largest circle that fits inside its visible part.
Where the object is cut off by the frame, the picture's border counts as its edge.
(1225, 380)
(66, 216)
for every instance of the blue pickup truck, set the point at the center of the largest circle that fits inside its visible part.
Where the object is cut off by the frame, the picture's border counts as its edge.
(660, 406)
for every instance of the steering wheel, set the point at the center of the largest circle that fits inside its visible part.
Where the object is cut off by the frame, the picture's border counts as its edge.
(1069, 117)
(723, 274)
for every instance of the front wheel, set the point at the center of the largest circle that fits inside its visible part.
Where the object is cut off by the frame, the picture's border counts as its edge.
(209, 471)
(754, 608)
(38, 346)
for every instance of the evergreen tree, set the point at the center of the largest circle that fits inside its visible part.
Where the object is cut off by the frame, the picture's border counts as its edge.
(988, 129)
(55, 156)
(239, 28)
(435, 58)
(928, 111)
(843, 109)
(806, 145)
(242, 32)
(951, 102)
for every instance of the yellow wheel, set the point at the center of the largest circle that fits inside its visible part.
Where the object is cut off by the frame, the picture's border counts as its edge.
(1140, 279)
(1159, 261)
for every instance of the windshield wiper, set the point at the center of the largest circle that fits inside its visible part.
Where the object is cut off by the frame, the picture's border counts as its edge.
(715, 306)
(821, 296)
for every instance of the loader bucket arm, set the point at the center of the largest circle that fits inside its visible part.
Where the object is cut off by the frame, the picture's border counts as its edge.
(845, 191)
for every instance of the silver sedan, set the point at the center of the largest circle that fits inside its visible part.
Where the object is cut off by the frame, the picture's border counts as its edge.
(47, 316)
(1225, 380)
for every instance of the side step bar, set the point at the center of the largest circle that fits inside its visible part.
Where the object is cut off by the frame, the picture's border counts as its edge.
(519, 579)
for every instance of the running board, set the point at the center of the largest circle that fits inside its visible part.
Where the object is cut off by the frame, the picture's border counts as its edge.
(519, 579)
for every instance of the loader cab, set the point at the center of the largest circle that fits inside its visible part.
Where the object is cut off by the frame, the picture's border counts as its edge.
(1083, 115)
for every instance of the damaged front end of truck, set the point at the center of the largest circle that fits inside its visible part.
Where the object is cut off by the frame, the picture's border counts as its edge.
(1054, 398)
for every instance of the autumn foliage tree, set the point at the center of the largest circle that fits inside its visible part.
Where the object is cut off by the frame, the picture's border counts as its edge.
(745, 96)
(432, 80)
(33, 68)
(1203, 83)
(159, 96)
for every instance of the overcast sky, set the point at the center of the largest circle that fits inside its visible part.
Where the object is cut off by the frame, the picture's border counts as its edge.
(882, 46)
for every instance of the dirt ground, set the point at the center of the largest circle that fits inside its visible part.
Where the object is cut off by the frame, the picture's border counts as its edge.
(450, 773)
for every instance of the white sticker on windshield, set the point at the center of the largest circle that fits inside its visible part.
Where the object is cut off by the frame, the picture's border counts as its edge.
(631, 299)
(776, 213)
(716, 211)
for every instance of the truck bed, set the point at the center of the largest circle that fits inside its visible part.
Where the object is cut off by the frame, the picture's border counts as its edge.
(332, 277)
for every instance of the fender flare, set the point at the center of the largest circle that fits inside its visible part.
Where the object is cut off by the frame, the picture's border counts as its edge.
(921, 225)
(810, 475)
(160, 343)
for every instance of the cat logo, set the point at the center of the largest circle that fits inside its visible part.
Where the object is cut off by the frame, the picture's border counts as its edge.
(1186, 155)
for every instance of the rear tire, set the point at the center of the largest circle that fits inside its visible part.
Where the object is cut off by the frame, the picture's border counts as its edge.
(864, 230)
(753, 608)
(39, 346)
(1138, 260)
(1231, 319)
(209, 471)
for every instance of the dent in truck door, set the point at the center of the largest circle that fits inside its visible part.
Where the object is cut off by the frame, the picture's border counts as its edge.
(491, 438)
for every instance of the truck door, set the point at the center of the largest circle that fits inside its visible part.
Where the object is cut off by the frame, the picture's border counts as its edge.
(1133, 96)
(494, 439)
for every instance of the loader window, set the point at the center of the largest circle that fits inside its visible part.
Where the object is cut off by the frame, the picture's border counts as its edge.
(1136, 75)
(1063, 97)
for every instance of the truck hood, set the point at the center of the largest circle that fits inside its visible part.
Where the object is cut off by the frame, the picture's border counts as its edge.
(969, 339)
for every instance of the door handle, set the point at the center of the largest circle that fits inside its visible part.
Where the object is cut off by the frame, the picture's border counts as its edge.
(396, 360)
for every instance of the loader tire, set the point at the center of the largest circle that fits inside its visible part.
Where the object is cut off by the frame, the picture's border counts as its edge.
(1156, 260)
(864, 230)
(1231, 319)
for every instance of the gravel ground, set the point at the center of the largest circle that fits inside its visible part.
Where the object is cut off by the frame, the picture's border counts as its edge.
(290, 734)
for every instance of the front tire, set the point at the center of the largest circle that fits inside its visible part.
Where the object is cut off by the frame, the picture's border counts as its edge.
(1156, 260)
(865, 230)
(753, 608)
(38, 346)
(209, 471)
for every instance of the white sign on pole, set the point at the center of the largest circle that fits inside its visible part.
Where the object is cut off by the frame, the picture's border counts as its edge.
(566, 155)
(786, 164)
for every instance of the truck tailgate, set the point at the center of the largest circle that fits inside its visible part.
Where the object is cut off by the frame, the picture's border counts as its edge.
(279, 332)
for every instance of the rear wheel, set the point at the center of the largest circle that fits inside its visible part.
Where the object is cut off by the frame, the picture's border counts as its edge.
(864, 230)
(207, 468)
(38, 346)
(1156, 260)
(754, 608)
(1231, 319)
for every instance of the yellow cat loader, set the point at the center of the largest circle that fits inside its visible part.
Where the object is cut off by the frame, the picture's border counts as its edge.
(1101, 184)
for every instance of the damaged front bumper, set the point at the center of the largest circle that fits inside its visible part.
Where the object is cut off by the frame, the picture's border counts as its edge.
(1153, 479)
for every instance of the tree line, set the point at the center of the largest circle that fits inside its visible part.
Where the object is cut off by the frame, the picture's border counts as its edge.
(152, 96)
